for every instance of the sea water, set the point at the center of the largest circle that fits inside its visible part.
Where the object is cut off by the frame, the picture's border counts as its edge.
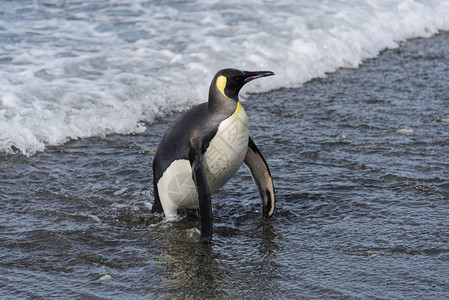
(359, 157)
(76, 69)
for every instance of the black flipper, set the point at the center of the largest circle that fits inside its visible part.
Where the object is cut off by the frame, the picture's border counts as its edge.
(262, 177)
(157, 206)
(200, 180)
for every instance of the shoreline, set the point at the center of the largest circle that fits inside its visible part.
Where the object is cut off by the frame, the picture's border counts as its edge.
(441, 34)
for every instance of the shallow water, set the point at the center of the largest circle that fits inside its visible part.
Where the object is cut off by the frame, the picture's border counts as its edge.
(78, 69)
(360, 162)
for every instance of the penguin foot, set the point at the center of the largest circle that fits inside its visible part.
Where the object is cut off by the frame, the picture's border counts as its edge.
(205, 239)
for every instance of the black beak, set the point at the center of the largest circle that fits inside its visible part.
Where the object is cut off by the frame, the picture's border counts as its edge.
(249, 76)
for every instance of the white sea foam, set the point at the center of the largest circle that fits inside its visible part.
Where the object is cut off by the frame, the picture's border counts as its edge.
(74, 69)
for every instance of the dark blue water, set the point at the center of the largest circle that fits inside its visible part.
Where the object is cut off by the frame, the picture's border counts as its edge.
(360, 161)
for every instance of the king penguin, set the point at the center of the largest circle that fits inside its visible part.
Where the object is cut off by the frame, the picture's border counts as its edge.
(203, 149)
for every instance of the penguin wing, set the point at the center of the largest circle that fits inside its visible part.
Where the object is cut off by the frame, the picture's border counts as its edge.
(262, 177)
(200, 180)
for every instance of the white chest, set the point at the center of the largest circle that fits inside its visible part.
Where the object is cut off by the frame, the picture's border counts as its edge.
(227, 149)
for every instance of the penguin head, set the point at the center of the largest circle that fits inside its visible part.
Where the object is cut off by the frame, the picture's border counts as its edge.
(228, 82)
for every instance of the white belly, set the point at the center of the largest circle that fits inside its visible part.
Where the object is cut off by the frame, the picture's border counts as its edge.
(222, 159)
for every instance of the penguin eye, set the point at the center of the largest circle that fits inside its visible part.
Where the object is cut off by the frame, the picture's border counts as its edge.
(238, 78)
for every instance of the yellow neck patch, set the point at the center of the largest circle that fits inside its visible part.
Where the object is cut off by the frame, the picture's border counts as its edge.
(221, 84)
(238, 109)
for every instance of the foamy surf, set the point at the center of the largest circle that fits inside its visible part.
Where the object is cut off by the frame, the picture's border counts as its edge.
(82, 69)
